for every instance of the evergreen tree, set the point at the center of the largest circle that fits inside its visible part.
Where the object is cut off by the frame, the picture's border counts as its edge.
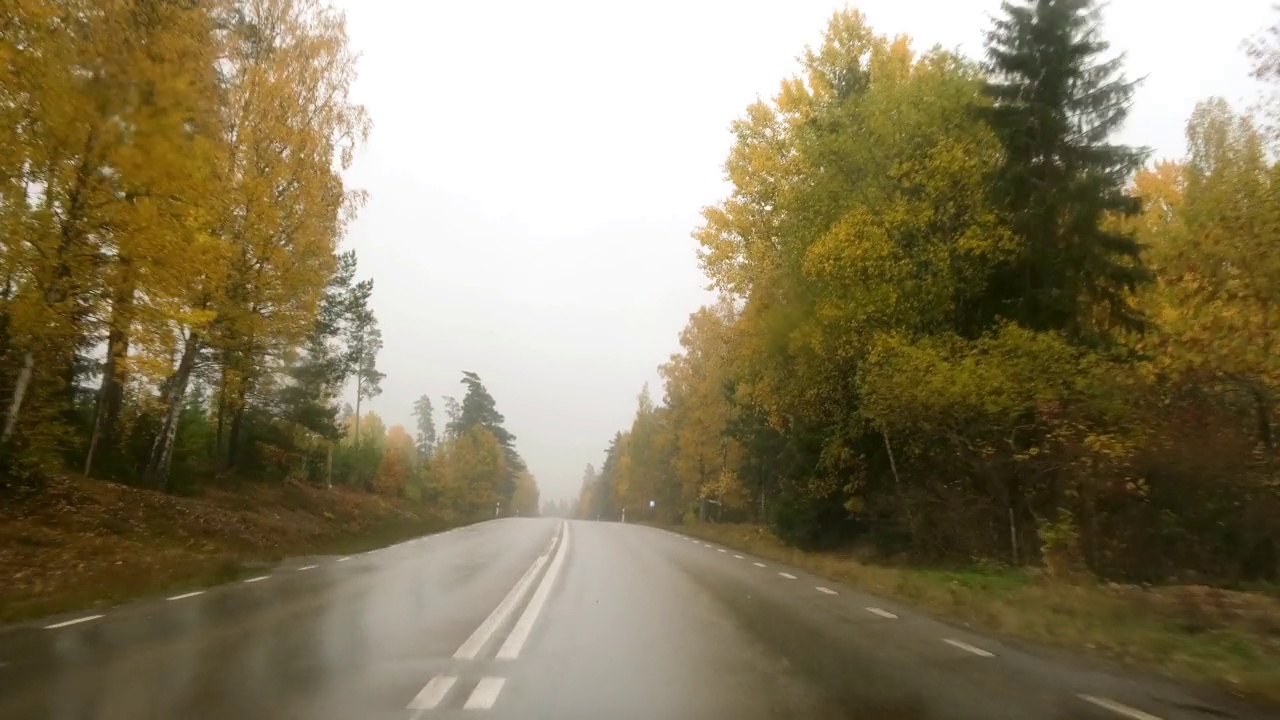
(425, 417)
(1055, 102)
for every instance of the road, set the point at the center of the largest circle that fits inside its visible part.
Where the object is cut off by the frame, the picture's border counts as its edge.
(541, 618)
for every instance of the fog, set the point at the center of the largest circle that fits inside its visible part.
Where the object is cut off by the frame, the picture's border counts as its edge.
(536, 168)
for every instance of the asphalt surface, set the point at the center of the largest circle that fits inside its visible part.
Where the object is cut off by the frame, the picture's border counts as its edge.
(539, 618)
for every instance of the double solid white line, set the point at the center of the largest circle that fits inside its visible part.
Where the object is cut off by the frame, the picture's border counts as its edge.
(486, 692)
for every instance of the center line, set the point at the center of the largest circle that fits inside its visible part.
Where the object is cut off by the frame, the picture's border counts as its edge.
(1117, 708)
(759, 564)
(882, 613)
(473, 644)
(520, 633)
(77, 621)
(257, 579)
(788, 576)
(485, 694)
(184, 596)
(828, 591)
(967, 647)
(308, 567)
(431, 695)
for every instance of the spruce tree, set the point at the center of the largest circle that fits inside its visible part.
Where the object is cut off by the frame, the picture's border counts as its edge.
(1056, 100)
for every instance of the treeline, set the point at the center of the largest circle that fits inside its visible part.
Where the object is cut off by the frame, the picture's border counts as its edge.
(175, 306)
(957, 321)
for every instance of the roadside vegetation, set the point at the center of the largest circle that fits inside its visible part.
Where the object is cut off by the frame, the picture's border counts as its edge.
(177, 314)
(961, 326)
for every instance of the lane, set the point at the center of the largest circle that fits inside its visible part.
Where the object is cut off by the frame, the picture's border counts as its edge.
(356, 639)
(646, 624)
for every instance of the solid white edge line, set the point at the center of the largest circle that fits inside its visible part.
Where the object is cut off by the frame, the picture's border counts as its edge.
(759, 564)
(308, 567)
(478, 639)
(257, 579)
(77, 621)
(432, 693)
(826, 590)
(520, 633)
(788, 576)
(882, 613)
(184, 596)
(485, 694)
(968, 648)
(1117, 708)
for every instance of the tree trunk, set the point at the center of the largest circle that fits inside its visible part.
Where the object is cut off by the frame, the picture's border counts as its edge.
(233, 435)
(328, 465)
(110, 400)
(222, 409)
(162, 449)
(20, 385)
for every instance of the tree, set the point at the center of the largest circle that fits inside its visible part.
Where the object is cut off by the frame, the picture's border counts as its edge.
(364, 342)
(479, 410)
(1055, 103)
(425, 418)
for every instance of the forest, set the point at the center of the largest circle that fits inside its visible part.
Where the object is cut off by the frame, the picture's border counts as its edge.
(958, 321)
(177, 311)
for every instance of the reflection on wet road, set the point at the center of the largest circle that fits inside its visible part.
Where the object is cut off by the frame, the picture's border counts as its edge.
(542, 618)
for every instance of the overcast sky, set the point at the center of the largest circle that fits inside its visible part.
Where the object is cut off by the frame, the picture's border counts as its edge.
(536, 167)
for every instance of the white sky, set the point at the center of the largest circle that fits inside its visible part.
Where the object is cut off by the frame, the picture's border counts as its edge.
(536, 167)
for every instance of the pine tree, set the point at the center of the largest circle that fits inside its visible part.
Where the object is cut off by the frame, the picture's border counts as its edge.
(1055, 103)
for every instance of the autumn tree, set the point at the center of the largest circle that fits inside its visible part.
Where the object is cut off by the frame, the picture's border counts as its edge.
(424, 417)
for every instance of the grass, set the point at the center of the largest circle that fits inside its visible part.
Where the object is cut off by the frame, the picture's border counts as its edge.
(81, 544)
(1227, 638)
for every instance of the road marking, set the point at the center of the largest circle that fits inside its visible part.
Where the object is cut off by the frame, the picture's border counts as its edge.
(485, 694)
(788, 576)
(759, 564)
(967, 647)
(184, 596)
(738, 557)
(308, 567)
(828, 591)
(722, 550)
(257, 579)
(344, 559)
(520, 633)
(77, 621)
(473, 644)
(882, 613)
(431, 695)
(1119, 709)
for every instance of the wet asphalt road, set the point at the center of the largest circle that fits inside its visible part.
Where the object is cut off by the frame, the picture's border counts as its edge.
(525, 618)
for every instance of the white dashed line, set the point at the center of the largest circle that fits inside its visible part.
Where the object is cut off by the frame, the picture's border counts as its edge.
(788, 576)
(721, 550)
(826, 590)
(308, 567)
(260, 578)
(759, 564)
(967, 647)
(739, 557)
(184, 596)
(473, 644)
(1119, 709)
(431, 695)
(77, 621)
(485, 694)
(520, 633)
(344, 559)
(882, 613)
